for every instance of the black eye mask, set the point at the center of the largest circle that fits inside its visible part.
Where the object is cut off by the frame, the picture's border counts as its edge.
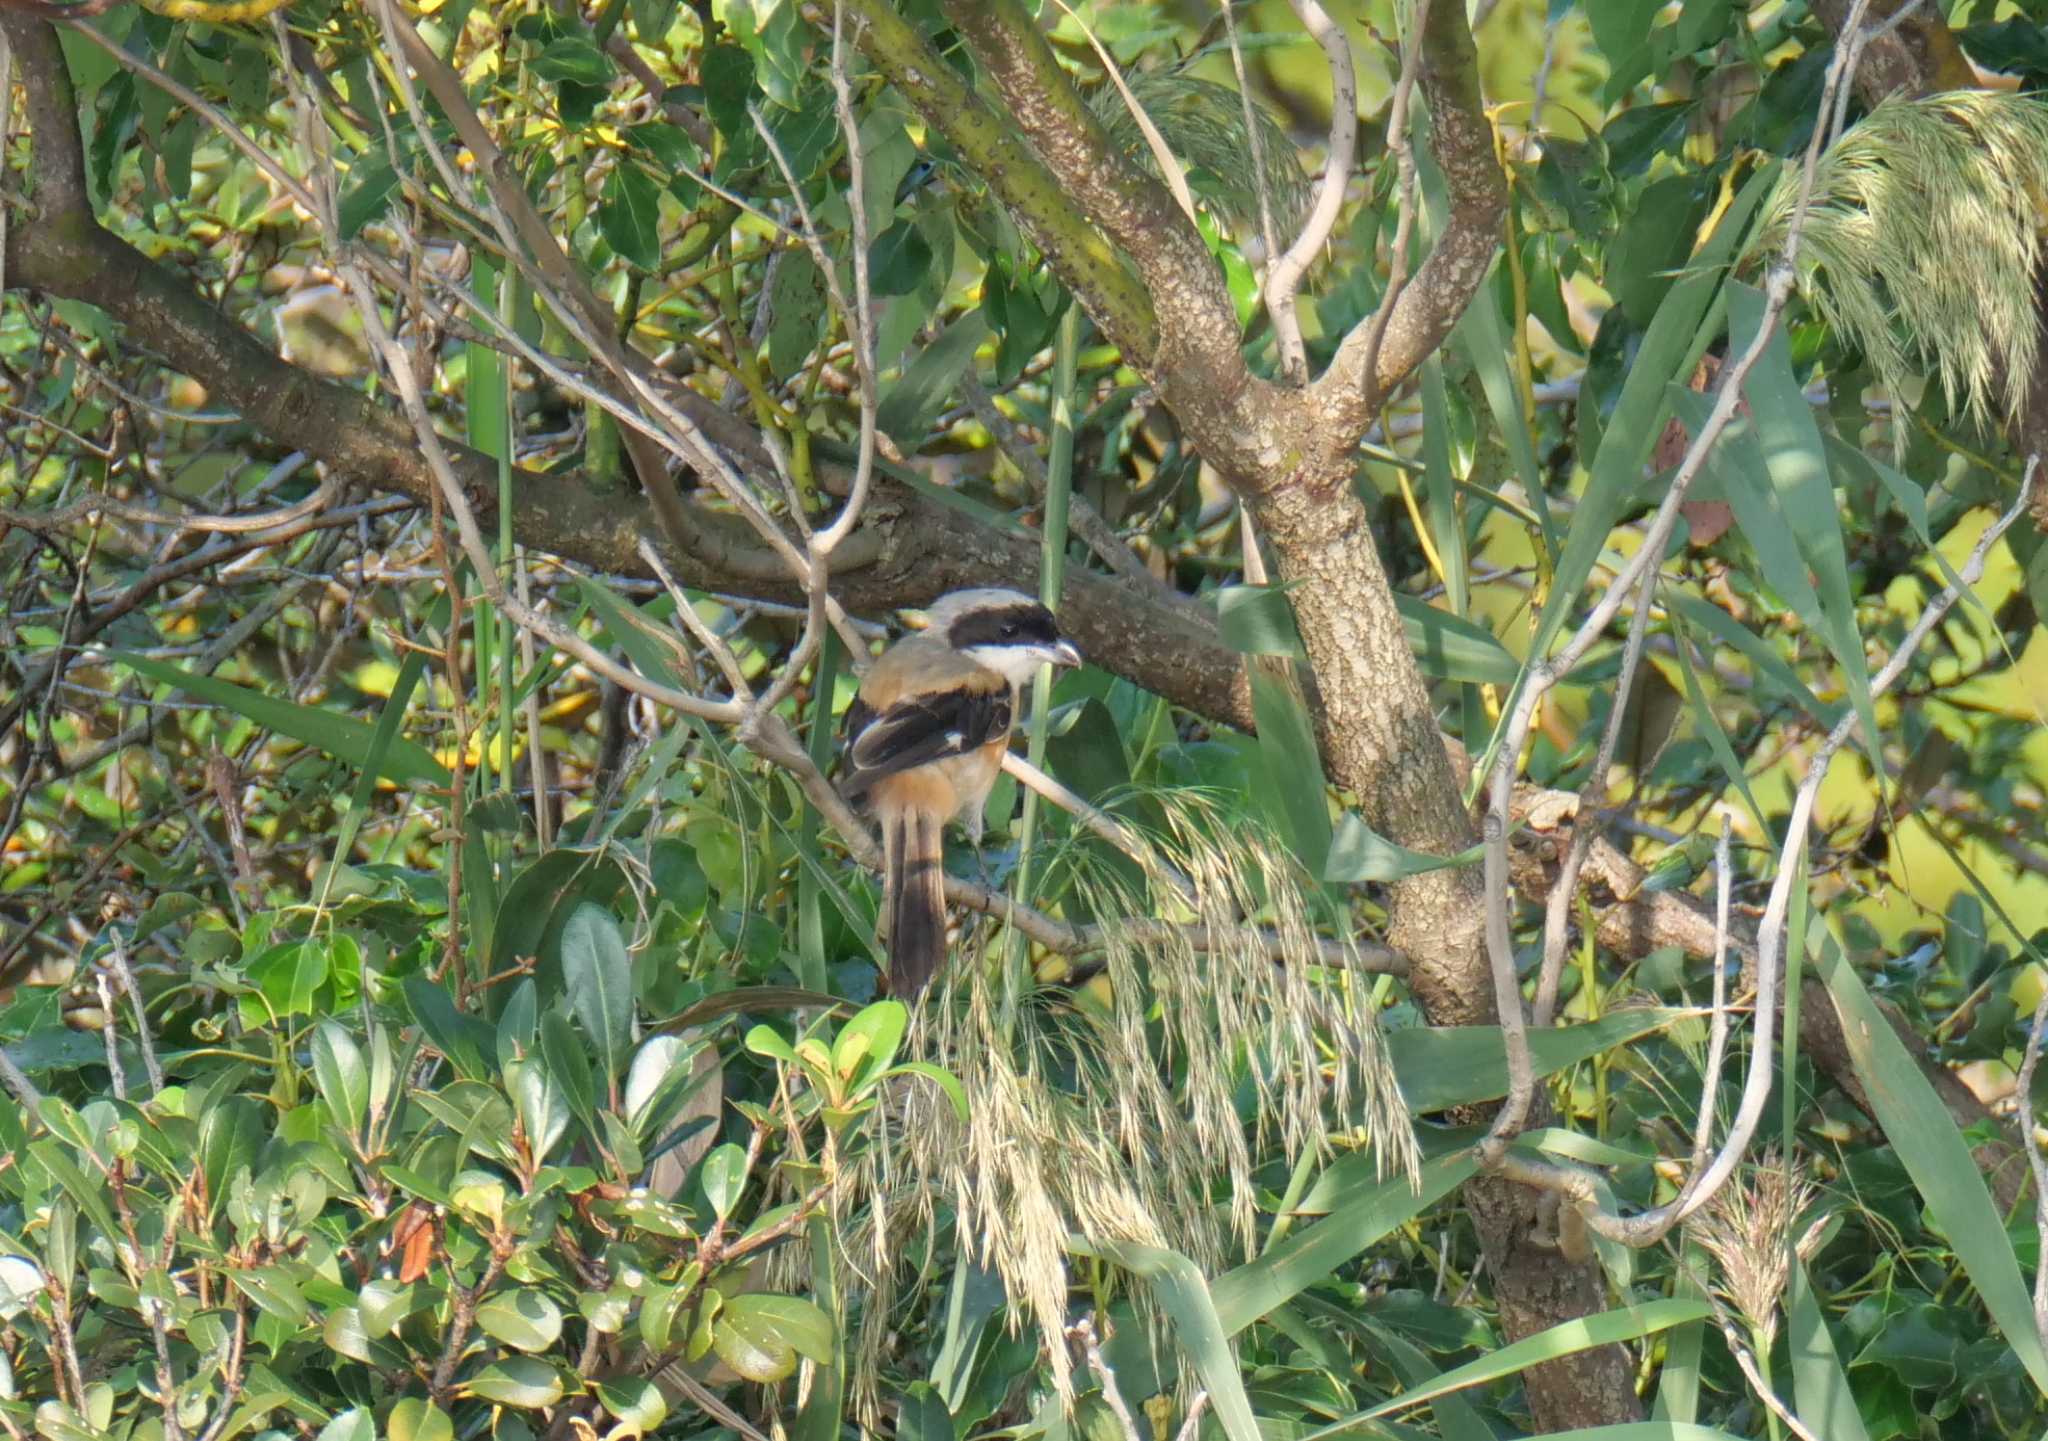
(1013, 625)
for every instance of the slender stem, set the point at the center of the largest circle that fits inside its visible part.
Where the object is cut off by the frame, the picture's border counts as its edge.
(1052, 575)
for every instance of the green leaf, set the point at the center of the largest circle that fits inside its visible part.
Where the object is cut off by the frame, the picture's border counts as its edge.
(1771, 668)
(383, 1304)
(867, 1043)
(569, 1067)
(728, 75)
(630, 217)
(274, 1289)
(1357, 1219)
(343, 1079)
(1826, 1403)
(1185, 1296)
(463, 1039)
(343, 1334)
(523, 1319)
(939, 1076)
(1630, 434)
(760, 1336)
(898, 260)
(1797, 461)
(597, 974)
(922, 1415)
(1484, 341)
(1444, 1066)
(1294, 795)
(1359, 853)
(915, 398)
(1937, 1158)
(404, 762)
(412, 1419)
(724, 1177)
(526, 1382)
(1257, 620)
(574, 59)
(801, 1325)
(798, 298)
(354, 1424)
(368, 195)
(1567, 1338)
(635, 1401)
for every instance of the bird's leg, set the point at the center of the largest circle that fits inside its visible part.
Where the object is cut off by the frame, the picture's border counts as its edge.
(971, 823)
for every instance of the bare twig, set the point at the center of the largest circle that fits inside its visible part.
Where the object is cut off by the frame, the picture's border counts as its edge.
(1545, 674)
(2030, 1137)
(1402, 145)
(1284, 273)
(1745, 1359)
(1082, 1332)
(1706, 1181)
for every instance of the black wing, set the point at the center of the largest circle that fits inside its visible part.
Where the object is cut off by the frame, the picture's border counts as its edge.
(917, 731)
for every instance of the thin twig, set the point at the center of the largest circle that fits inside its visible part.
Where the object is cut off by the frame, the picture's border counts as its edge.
(1284, 273)
(1402, 145)
(1082, 1332)
(2030, 1137)
(1574, 1184)
(1545, 674)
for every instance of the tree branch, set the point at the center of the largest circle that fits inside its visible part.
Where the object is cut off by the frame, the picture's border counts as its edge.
(907, 550)
(1461, 139)
(1198, 329)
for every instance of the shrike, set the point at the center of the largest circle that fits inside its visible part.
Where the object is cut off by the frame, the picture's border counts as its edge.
(924, 743)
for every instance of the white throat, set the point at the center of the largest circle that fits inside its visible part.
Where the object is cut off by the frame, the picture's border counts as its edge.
(1014, 663)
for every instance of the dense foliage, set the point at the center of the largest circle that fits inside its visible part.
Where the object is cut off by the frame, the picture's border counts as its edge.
(439, 994)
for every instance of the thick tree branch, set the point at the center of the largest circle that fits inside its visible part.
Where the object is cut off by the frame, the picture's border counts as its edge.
(1461, 139)
(1198, 329)
(1035, 195)
(908, 550)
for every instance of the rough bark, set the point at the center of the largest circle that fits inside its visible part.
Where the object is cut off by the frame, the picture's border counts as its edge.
(1633, 922)
(1290, 453)
(909, 550)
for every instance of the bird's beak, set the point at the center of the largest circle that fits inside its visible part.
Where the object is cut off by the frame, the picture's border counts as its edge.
(1064, 654)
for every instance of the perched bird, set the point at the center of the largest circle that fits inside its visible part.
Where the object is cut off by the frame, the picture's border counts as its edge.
(924, 742)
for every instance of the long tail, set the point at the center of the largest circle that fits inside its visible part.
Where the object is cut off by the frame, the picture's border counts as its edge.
(915, 882)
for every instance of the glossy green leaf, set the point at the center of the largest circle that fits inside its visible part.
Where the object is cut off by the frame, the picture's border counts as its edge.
(724, 1176)
(633, 1400)
(343, 1079)
(867, 1043)
(526, 1382)
(413, 1419)
(524, 1319)
(597, 975)
(798, 1323)
(354, 1424)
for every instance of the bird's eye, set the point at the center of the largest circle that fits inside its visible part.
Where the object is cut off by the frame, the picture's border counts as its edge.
(1009, 630)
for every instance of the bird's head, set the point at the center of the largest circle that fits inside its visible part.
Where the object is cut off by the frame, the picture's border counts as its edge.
(1005, 630)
